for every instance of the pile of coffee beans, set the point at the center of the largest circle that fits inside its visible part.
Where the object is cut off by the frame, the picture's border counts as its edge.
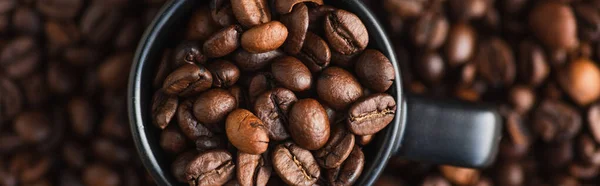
(271, 92)
(536, 60)
(64, 65)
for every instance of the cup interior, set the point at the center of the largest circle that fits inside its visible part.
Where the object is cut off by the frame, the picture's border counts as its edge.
(166, 30)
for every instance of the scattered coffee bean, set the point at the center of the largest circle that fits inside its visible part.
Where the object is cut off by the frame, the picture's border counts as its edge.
(223, 42)
(295, 165)
(578, 80)
(556, 121)
(338, 88)
(272, 107)
(371, 114)
(253, 169)
(291, 74)
(309, 124)
(210, 168)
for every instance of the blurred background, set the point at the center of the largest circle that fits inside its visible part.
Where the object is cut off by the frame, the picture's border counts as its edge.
(64, 67)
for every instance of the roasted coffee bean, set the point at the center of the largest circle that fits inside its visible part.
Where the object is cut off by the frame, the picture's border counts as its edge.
(465, 10)
(222, 12)
(344, 61)
(60, 78)
(128, 35)
(32, 126)
(297, 25)
(8, 6)
(295, 165)
(593, 119)
(579, 81)
(348, 172)
(251, 13)
(179, 165)
(556, 121)
(562, 34)
(20, 57)
(172, 139)
(188, 52)
(9, 143)
(246, 132)
(60, 9)
(210, 168)
(100, 175)
(460, 45)
(583, 171)
(337, 149)
(588, 150)
(345, 32)
(26, 20)
(338, 88)
(247, 61)
(212, 106)
(309, 124)
(74, 154)
(588, 21)
(364, 140)
(315, 53)
(110, 72)
(30, 167)
(62, 34)
(371, 114)
(253, 169)
(83, 116)
(232, 182)
(241, 96)
(260, 83)
(204, 143)
(201, 25)
(291, 73)
(110, 151)
(375, 70)
(510, 173)
(189, 125)
(495, 62)
(272, 107)
(430, 30)
(460, 175)
(435, 180)
(188, 80)
(522, 98)
(223, 42)
(81, 56)
(11, 100)
(431, 68)
(532, 64)
(518, 141)
(317, 15)
(559, 154)
(224, 73)
(265, 37)
(284, 7)
(331, 114)
(163, 108)
(99, 22)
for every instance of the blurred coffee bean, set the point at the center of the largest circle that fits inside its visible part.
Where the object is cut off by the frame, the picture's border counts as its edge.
(556, 121)
(404, 8)
(74, 154)
(532, 64)
(11, 100)
(593, 120)
(435, 180)
(114, 126)
(431, 68)
(495, 62)
(8, 5)
(99, 22)
(459, 175)
(30, 167)
(510, 174)
(565, 180)
(522, 98)
(588, 21)
(20, 57)
(583, 171)
(82, 115)
(468, 9)
(562, 33)
(59, 9)
(110, 72)
(100, 175)
(558, 154)
(579, 79)
(110, 152)
(430, 30)
(587, 149)
(26, 20)
(32, 126)
(460, 44)
(127, 36)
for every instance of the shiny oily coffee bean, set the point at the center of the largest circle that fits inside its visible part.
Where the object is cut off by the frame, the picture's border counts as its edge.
(201, 25)
(579, 79)
(20, 57)
(222, 12)
(212, 106)
(291, 73)
(11, 99)
(588, 150)
(204, 143)
(188, 80)
(32, 126)
(163, 108)
(188, 52)
(375, 70)
(556, 121)
(562, 34)
(248, 61)
(371, 114)
(179, 165)
(345, 32)
(223, 42)
(264, 37)
(295, 165)
(522, 98)
(315, 53)
(253, 169)
(246, 132)
(224, 73)
(337, 149)
(532, 66)
(460, 175)
(338, 88)
(210, 168)
(460, 44)
(251, 13)
(297, 25)
(189, 125)
(272, 108)
(495, 62)
(364, 140)
(317, 15)
(284, 7)
(430, 30)
(349, 171)
(172, 140)
(309, 124)
(588, 21)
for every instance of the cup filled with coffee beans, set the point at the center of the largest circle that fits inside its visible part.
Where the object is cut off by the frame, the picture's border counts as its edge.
(296, 92)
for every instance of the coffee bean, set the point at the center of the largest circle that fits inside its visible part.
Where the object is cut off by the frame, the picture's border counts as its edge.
(11, 100)
(588, 21)
(224, 73)
(532, 64)
(345, 32)
(201, 25)
(364, 140)
(588, 150)
(83, 116)
(338, 88)
(344, 61)
(315, 53)
(435, 180)
(163, 108)
(60, 78)
(460, 45)
(26, 20)
(348, 172)
(295, 165)
(519, 138)
(337, 149)
(260, 83)
(210, 168)
(556, 121)
(212, 106)
(272, 107)
(583, 171)
(20, 57)
(430, 30)
(251, 13)
(204, 143)
(7, 6)
(32, 126)
(80, 56)
(232, 182)
(431, 68)
(246, 132)
(222, 12)
(110, 72)
(179, 165)
(465, 10)
(110, 151)
(74, 154)
(188, 52)
(100, 175)
(510, 173)
(253, 169)
(241, 96)
(60, 9)
(405, 9)
(189, 125)
(30, 167)
(62, 34)
(309, 124)
(562, 33)
(271, 36)
(99, 22)
(495, 62)
(317, 15)
(223, 42)
(291, 74)
(559, 154)
(522, 98)
(375, 70)
(371, 114)
(460, 175)
(297, 24)
(578, 80)
(284, 7)
(248, 61)
(188, 80)
(114, 126)
(172, 139)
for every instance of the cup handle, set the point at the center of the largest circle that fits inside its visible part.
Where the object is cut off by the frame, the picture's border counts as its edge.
(450, 132)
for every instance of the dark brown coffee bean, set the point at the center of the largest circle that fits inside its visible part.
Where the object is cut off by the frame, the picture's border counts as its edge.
(110, 72)
(188, 52)
(11, 99)
(430, 30)
(60, 9)
(212, 106)
(558, 154)
(583, 171)
(100, 175)
(344, 61)
(371, 114)
(460, 45)
(588, 150)
(594, 121)
(579, 79)
(251, 13)
(556, 121)
(465, 10)
(495, 62)
(32, 126)
(232, 182)
(522, 98)
(315, 53)
(74, 154)
(309, 124)
(60, 78)
(375, 70)
(129, 34)
(291, 73)
(460, 175)
(81, 56)
(8, 5)
(62, 34)
(260, 83)
(246, 132)
(284, 7)
(345, 32)
(26, 20)
(172, 140)
(20, 57)
(179, 165)
(338, 88)
(188, 80)
(83, 116)
(223, 42)
(431, 68)
(510, 173)
(30, 167)
(364, 140)
(222, 12)
(204, 143)
(241, 96)
(9, 142)
(348, 172)
(562, 34)
(99, 22)
(189, 125)
(247, 61)
(331, 114)
(110, 151)
(295, 165)
(337, 149)
(201, 25)
(224, 73)
(272, 108)
(519, 138)
(163, 108)
(210, 168)
(297, 25)
(588, 21)
(265, 37)
(404, 9)
(317, 15)
(253, 169)
(533, 66)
